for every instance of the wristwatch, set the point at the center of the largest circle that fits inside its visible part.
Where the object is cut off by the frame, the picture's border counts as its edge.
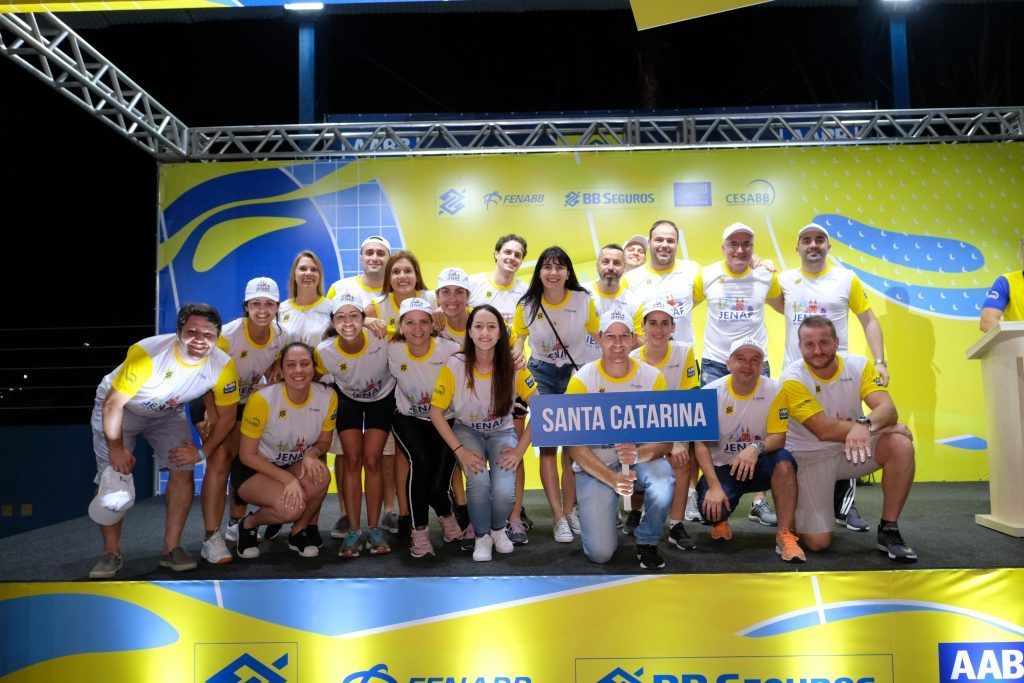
(864, 420)
(881, 361)
(761, 448)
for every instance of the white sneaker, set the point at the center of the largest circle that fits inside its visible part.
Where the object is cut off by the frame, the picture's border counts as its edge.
(214, 551)
(563, 534)
(692, 511)
(574, 521)
(501, 542)
(482, 549)
(231, 533)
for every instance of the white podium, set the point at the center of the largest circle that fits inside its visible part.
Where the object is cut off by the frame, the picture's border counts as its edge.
(1001, 351)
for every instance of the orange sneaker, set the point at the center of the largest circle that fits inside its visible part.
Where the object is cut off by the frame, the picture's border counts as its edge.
(721, 531)
(787, 548)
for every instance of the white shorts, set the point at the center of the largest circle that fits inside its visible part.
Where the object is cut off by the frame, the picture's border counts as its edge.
(162, 431)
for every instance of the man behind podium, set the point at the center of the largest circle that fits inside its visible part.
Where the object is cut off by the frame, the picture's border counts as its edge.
(1005, 299)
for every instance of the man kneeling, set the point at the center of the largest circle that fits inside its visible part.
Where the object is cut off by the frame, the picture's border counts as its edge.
(749, 455)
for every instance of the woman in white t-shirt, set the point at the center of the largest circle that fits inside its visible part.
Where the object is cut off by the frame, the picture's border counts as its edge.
(306, 313)
(479, 387)
(286, 428)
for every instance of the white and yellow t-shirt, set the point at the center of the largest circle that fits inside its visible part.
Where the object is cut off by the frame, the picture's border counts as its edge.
(354, 285)
(417, 377)
(574, 318)
(839, 396)
(743, 420)
(674, 286)
(386, 308)
(306, 323)
(473, 409)
(735, 306)
(158, 382)
(591, 379)
(679, 366)
(362, 376)
(251, 360)
(482, 290)
(623, 301)
(287, 429)
(833, 293)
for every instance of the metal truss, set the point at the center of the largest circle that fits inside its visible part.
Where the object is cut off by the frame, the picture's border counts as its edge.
(611, 134)
(50, 49)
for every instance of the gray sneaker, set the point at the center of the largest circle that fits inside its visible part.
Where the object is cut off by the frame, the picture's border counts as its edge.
(178, 560)
(516, 532)
(341, 527)
(390, 522)
(106, 567)
(692, 513)
(852, 520)
(762, 513)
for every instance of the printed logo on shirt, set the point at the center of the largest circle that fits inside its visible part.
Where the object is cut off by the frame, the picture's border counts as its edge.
(169, 374)
(253, 422)
(729, 410)
(230, 388)
(343, 366)
(283, 413)
(403, 367)
(529, 381)
(244, 354)
(690, 372)
(817, 388)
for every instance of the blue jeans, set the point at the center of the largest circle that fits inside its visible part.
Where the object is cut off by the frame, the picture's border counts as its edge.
(734, 489)
(599, 508)
(492, 493)
(710, 370)
(551, 379)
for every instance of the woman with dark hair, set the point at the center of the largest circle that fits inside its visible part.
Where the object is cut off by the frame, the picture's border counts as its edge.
(358, 362)
(479, 387)
(285, 430)
(557, 314)
(403, 279)
(306, 313)
(415, 357)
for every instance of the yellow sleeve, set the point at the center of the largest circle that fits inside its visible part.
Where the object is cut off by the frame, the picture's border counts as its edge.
(799, 403)
(135, 370)
(332, 414)
(774, 289)
(638, 320)
(698, 287)
(372, 307)
(321, 369)
(512, 336)
(225, 389)
(778, 414)
(869, 381)
(659, 384)
(519, 322)
(331, 293)
(593, 322)
(526, 385)
(689, 379)
(859, 301)
(576, 386)
(444, 389)
(223, 344)
(255, 415)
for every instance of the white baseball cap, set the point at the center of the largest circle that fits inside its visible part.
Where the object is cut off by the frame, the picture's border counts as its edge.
(660, 306)
(375, 238)
(346, 299)
(609, 318)
(116, 494)
(747, 343)
(737, 227)
(636, 239)
(813, 227)
(262, 287)
(453, 276)
(415, 304)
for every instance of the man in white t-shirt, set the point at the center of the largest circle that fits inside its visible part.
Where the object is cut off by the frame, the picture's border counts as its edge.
(373, 256)
(611, 295)
(599, 477)
(818, 287)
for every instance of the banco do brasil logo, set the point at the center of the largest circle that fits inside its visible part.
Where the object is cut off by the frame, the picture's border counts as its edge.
(451, 201)
(758, 192)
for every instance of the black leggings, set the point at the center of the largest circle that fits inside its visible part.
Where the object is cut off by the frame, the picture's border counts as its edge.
(431, 464)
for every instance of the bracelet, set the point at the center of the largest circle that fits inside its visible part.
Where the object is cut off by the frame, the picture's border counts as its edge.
(457, 448)
(202, 456)
(881, 362)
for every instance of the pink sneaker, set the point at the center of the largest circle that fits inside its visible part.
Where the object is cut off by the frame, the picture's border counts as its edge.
(451, 529)
(421, 543)
(469, 533)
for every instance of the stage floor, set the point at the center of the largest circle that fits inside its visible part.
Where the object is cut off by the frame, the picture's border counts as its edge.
(938, 522)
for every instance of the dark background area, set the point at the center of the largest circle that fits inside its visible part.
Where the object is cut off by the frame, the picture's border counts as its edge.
(81, 201)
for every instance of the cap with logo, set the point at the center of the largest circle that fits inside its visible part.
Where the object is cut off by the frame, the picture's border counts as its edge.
(346, 299)
(813, 227)
(609, 318)
(375, 239)
(414, 304)
(453, 277)
(748, 343)
(660, 306)
(262, 287)
(115, 496)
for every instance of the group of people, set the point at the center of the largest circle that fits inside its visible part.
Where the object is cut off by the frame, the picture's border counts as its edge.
(424, 395)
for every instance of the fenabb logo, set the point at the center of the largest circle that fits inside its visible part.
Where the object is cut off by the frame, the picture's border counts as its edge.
(512, 200)
(624, 198)
(990, 662)
(451, 201)
(758, 192)
(379, 673)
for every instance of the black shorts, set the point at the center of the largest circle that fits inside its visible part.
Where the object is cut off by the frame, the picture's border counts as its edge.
(361, 415)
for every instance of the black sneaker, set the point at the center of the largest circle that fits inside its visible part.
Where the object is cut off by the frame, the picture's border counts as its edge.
(891, 543)
(649, 557)
(303, 544)
(678, 537)
(271, 532)
(248, 546)
(313, 534)
(632, 522)
(404, 534)
(527, 522)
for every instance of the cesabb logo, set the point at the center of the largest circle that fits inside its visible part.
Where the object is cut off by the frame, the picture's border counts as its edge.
(608, 199)
(990, 662)
(758, 192)
(233, 662)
